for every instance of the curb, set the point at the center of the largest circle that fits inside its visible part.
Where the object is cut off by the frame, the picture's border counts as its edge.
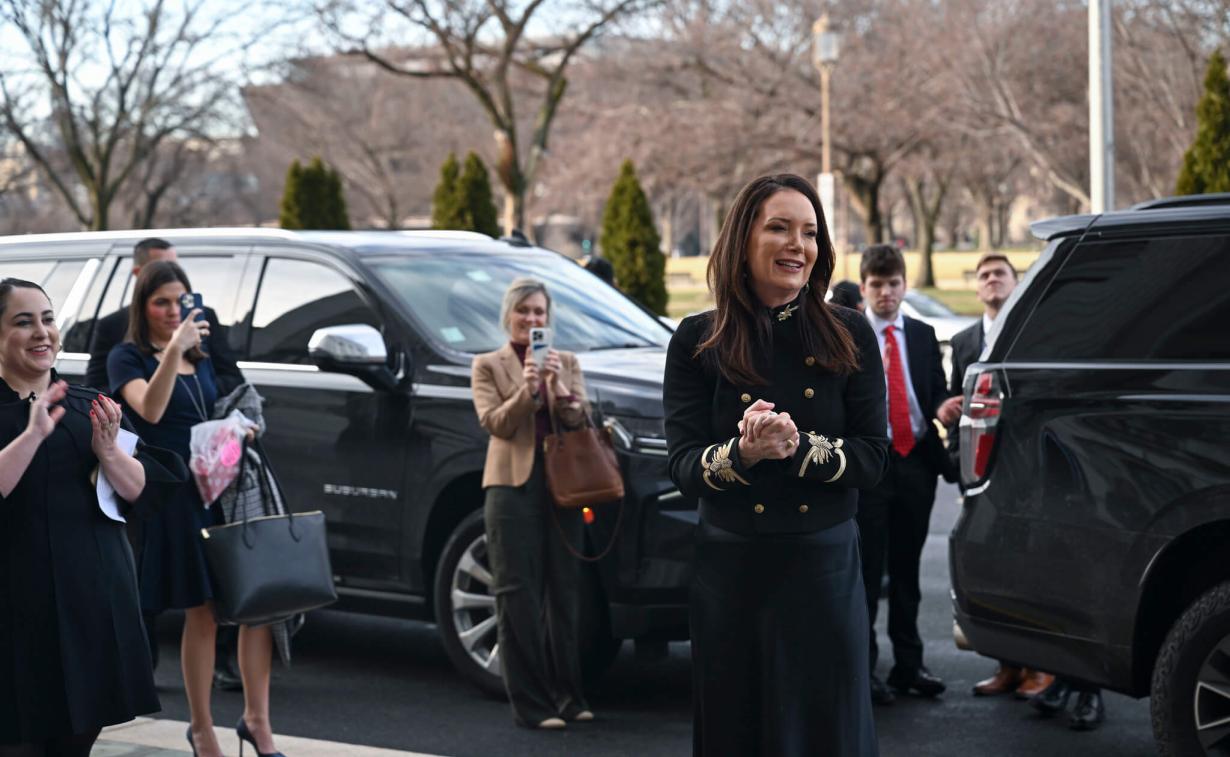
(149, 737)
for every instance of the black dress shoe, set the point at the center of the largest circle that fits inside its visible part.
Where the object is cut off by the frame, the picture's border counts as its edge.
(880, 693)
(226, 680)
(1089, 711)
(1053, 698)
(919, 682)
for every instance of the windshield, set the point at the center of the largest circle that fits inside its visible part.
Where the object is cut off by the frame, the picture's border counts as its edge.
(456, 297)
(927, 307)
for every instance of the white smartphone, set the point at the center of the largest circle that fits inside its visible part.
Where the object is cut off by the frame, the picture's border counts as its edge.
(540, 342)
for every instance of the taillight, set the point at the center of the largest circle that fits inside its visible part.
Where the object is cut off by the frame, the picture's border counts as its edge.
(979, 418)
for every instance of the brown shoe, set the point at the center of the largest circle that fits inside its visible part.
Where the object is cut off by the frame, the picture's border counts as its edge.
(1006, 678)
(1033, 682)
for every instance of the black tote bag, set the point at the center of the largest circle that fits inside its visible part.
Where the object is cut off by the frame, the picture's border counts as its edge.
(269, 568)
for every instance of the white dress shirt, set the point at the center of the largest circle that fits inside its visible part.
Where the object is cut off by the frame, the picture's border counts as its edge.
(917, 421)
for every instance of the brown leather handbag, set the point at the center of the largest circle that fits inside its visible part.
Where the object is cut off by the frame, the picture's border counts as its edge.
(581, 467)
(582, 471)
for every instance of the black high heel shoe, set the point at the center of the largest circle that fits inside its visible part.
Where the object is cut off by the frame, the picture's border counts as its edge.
(241, 730)
(191, 743)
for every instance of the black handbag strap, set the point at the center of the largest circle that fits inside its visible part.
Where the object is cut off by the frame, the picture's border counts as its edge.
(269, 484)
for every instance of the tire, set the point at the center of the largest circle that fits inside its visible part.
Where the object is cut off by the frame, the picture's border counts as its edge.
(1191, 681)
(465, 612)
(465, 606)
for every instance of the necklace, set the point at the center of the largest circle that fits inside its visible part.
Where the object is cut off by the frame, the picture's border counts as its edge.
(198, 400)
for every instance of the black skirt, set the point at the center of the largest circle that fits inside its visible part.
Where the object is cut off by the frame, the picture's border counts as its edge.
(172, 570)
(779, 645)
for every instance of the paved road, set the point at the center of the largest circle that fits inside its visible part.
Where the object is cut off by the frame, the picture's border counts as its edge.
(386, 683)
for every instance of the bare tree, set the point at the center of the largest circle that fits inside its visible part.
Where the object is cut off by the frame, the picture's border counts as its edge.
(105, 89)
(506, 53)
(1029, 94)
(352, 114)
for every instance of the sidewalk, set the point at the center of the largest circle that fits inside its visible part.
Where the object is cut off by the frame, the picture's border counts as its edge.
(147, 737)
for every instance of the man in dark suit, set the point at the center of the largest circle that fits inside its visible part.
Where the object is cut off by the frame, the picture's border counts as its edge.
(893, 517)
(996, 280)
(113, 329)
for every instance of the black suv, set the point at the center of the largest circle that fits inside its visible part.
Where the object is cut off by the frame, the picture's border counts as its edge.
(361, 344)
(1094, 541)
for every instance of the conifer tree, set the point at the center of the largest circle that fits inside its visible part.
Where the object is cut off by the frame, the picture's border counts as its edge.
(445, 201)
(474, 191)
(631, 242)
(1206, 165)
(313, 198)
(288, 215)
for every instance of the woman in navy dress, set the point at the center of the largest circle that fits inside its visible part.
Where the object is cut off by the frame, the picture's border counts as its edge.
(167, 384)
(73, 659)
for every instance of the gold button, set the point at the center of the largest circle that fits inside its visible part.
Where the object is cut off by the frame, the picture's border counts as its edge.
(746, 397)
(809, 360)
(759, 508)
(802, 508)
(809, 392)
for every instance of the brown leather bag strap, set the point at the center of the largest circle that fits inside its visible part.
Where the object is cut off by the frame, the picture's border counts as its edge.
(559, 529)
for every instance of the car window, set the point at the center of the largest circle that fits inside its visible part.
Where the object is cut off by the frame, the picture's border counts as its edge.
(59, 282)
(456, 297)
(1160, 299)
(30, 270)
(296, 298)
(216, 277)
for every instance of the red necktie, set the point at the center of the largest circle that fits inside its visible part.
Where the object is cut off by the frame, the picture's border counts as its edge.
(898, 396)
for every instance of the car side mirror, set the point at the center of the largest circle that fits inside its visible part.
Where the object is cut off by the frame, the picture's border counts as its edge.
(355, 349)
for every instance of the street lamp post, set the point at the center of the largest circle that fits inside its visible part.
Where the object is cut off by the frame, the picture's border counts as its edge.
(824, 56)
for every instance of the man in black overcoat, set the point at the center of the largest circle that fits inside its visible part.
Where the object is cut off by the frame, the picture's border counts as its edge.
(893, 517)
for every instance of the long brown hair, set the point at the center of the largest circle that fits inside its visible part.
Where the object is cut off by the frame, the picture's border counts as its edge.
(738, 319)
(153, 275)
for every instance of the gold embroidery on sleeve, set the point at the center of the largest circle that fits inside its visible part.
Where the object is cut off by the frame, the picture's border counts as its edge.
(718, 464)
(820, 452)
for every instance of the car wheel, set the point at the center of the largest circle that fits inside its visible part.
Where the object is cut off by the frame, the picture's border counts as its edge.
(465, 611)
(465, 606)
(1191, 681)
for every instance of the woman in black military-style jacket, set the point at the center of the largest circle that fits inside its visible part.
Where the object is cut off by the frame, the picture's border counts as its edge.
(775, 418)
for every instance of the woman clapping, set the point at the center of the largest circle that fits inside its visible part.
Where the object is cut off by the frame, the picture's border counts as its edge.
(75, 654)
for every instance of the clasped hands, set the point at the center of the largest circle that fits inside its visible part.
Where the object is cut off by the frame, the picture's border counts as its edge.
(765, 434)
(549, 374)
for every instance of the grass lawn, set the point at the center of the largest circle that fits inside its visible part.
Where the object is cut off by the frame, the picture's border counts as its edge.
(682, 301)
(961, 301)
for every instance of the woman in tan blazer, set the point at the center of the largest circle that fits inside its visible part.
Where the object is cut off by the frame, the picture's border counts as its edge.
(535, 576)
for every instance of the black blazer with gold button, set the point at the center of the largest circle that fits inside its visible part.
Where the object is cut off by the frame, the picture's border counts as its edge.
(841, 420)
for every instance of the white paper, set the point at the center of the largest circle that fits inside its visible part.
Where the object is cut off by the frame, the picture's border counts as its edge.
(107, 502)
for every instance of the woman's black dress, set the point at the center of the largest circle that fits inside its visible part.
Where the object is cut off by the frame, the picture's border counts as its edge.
(172, 570)
(73, 656)
(778, 614)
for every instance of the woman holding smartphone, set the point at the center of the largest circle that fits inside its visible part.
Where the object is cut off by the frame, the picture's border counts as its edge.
(168, 386)
(535, 577)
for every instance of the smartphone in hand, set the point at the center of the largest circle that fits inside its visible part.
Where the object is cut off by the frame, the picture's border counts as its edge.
(540, 342)
(189, 301)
